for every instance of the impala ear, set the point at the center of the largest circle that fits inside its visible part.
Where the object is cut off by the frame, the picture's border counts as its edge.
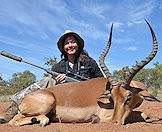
(106, 104)
(135, 90)
(105, 100)
(148, 97)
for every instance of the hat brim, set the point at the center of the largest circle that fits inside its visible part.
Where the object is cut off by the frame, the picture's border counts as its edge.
(61, 41)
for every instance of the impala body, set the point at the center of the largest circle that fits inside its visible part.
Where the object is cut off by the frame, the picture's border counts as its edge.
(85, 101)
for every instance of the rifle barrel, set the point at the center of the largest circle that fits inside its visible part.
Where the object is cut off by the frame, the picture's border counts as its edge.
(13, 57)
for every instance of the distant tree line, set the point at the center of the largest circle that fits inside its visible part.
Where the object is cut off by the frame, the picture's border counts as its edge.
(151, 77)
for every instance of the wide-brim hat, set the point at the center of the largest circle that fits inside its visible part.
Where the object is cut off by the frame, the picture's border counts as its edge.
(61, 41)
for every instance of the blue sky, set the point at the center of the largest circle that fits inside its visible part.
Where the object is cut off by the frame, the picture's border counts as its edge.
(31, 28)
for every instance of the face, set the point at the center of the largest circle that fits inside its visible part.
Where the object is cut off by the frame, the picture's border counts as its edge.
(70, 45)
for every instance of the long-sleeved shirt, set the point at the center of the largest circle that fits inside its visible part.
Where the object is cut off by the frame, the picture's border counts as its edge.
(87, 68)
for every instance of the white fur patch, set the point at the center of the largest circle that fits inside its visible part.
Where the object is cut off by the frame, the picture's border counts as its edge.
(72, 114)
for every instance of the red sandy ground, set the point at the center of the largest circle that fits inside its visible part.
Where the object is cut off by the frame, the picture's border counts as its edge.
(153, 109)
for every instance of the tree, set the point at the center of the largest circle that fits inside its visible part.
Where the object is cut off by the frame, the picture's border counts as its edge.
(1, 77)
(18, 82)
(50, 61)
(2, 81)
(22, 80)
(158, 69)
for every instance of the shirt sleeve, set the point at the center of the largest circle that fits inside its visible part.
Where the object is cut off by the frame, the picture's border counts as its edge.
(59, 67)
(96, 70)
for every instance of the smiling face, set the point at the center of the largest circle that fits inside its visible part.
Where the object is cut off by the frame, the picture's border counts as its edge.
(70, 45)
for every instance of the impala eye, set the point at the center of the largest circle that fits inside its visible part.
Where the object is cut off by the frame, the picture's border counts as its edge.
(128, 99)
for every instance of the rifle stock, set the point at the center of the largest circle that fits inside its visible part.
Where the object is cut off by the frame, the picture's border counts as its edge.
(19, 59)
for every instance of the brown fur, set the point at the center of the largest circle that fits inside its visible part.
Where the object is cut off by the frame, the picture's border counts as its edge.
(77, 102)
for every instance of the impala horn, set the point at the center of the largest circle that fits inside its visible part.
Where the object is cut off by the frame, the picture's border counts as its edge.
(102, 57)
(130, 73)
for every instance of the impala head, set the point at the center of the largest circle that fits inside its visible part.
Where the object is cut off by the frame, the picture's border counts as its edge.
(124, 101)
(124, 96)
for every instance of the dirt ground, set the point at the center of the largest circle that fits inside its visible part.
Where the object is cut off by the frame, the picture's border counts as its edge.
(153, 109)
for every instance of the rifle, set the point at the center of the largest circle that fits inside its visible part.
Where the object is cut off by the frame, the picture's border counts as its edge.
(19, 59)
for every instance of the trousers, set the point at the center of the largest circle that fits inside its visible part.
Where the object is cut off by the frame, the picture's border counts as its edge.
(46, 82)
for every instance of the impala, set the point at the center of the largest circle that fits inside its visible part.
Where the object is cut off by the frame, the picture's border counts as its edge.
(97, 100)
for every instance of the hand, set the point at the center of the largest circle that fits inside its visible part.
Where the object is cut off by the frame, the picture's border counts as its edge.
(60, 78)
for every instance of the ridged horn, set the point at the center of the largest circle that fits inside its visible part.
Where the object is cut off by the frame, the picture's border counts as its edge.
(135, 69)
(102, 57)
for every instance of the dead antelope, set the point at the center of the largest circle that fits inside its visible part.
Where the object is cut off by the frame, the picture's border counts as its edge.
(87, 101)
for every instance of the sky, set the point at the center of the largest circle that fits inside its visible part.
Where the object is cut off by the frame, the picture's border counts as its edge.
(31, 29)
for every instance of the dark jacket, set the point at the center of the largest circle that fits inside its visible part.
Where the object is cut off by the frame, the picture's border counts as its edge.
(86, 67)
